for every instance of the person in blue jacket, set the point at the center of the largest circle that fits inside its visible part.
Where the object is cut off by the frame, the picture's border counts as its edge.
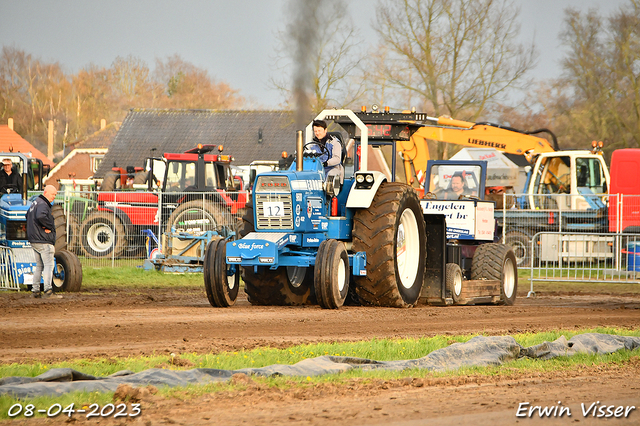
(331, 150)
(41, 233)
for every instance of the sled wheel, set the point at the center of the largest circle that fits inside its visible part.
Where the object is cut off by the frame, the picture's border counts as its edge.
(454, 281)
(497, 262)
(331, 277)
(67, 273)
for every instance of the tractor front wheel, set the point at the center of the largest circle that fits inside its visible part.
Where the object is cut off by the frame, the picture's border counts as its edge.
(67, 273)
(221, 281)
(331, 277)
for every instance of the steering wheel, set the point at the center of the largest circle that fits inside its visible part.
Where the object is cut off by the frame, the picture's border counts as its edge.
(323, 150)
(9, 189)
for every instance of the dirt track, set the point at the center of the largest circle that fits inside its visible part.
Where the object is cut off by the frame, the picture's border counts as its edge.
(124, 323)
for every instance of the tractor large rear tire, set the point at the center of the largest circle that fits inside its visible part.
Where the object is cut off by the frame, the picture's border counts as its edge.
(75, 242)
(67, 273)
(109, 182)
(103, 235)
(60, 220)
(497, 262)
(140, 178)
(221, 288)
(392, 233)
(274, 287)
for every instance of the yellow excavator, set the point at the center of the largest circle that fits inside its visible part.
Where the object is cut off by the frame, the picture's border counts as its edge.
(550, 171)
(415, 151)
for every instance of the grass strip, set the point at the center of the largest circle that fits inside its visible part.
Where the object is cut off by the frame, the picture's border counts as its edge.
(378, 349)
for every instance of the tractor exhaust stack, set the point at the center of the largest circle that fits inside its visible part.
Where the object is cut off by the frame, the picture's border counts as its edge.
(299, 147)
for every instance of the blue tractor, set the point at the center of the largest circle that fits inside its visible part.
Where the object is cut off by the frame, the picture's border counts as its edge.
(17, 260)
(305, 239)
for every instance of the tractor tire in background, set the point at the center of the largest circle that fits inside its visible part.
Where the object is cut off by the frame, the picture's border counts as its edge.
(103, 235)
(60, 220)
(392, 233)
(453, 280)
(67, 273)
(75, 242)
(109, 182)
(331, 277)
(521, 245)
(282, 286)
(140, 178)
(221, 288)
(497, 262)
(195, 216)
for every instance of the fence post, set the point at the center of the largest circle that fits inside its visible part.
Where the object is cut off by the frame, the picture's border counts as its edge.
(113, 231)
(531, 263)
(161, 247)
(504, 217)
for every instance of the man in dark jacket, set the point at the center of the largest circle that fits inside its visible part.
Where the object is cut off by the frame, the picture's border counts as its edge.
(10, 180)
(41, 233)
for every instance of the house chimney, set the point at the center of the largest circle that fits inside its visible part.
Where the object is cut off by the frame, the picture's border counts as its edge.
(50, 141)
(103, 123)
(10, 123)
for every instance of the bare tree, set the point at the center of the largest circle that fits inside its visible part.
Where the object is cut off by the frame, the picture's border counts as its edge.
(602, 77)
(34, 92)
(318, 57)
(455, 57)
(187, 86)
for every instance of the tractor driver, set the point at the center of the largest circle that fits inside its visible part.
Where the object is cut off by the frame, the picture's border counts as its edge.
(330, 148)
(10, 180)
(457, 188)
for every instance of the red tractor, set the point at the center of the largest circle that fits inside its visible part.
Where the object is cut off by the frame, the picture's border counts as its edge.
(198, 193)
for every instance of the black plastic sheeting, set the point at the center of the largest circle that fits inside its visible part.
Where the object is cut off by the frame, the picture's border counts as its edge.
(479, 351)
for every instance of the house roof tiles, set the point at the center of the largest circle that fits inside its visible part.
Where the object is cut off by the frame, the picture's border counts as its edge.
(10, 141)
(246, 135)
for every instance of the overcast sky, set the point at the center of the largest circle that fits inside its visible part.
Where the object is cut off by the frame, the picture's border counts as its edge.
(233, 40)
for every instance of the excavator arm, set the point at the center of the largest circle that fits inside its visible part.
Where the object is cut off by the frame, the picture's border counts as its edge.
(415, 151)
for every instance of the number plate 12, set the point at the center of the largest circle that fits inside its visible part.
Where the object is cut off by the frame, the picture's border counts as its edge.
(273, 208)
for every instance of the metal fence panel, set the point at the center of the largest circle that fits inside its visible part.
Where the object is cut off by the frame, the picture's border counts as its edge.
(8, 274)
(106, 229)
(569, 237)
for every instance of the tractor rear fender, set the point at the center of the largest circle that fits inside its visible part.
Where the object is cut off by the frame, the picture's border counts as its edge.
(362, 194)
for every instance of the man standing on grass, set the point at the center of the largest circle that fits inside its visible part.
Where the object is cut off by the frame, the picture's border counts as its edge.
(41, 233)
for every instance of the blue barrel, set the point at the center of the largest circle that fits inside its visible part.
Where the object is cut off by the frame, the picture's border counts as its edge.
(633, 256)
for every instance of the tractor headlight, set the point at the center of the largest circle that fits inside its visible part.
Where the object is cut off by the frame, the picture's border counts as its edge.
(364, 180)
